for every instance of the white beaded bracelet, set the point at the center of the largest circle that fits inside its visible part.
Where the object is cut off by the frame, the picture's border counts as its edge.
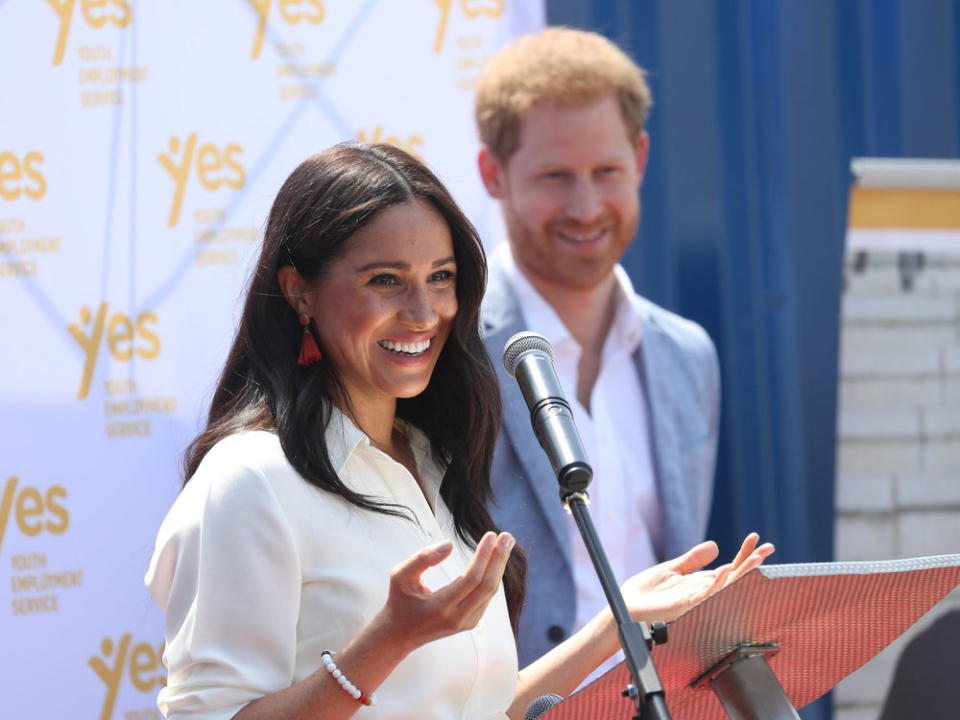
(326, 657)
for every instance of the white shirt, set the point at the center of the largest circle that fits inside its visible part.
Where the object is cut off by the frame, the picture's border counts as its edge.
(623, 495)
(258, 572)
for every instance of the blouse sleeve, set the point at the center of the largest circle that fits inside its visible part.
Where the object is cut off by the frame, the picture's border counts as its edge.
(226, 572)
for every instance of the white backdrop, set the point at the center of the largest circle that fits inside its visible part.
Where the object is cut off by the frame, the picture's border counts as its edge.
(140, 147)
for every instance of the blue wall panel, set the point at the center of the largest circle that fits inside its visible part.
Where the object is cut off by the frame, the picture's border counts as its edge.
(759, 107)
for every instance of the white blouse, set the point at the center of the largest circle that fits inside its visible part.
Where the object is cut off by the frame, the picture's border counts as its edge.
(258, 572)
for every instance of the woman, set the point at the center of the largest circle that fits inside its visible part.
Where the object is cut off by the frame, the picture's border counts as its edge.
(332, 539)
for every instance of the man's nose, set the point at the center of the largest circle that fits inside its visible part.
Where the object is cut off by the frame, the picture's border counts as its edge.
(583, 203)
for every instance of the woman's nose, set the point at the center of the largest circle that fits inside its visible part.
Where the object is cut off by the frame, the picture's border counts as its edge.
(418, 310)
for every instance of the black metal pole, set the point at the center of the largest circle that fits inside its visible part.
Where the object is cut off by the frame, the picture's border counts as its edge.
(634, 636)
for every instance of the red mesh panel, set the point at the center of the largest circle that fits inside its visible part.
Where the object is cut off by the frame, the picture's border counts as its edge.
(828, 619)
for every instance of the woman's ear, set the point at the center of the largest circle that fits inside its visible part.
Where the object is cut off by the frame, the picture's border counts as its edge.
(294, 288)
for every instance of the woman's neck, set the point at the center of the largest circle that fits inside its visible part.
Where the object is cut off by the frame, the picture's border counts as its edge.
(375, 419)
(379, 424)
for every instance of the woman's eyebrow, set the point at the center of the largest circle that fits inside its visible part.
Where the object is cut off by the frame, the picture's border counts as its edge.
(395, 264)
(399, 265)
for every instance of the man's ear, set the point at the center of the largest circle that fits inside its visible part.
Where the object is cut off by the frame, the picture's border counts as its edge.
(294, 288)
(491, 173)
(643, 153)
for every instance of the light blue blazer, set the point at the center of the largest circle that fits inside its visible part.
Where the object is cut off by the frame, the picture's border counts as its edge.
(677, 364)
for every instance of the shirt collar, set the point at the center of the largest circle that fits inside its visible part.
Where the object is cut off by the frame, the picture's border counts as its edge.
(537, 312)
(344, 438)
(627, 315)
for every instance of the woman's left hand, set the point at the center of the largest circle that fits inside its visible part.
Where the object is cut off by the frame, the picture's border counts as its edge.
(666, 591)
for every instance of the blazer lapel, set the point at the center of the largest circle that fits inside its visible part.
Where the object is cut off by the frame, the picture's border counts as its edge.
(503, 319)
(655, 371)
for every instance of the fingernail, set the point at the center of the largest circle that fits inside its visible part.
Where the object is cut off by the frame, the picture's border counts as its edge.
(506, 541)
(441, 548)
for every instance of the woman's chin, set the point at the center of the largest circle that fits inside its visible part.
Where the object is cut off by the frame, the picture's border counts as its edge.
(410, 391)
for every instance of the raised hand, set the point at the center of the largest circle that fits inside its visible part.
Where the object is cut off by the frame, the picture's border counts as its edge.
(666, 591)
(415, 615)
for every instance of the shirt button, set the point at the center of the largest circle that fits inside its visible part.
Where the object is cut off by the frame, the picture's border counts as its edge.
(555, 633)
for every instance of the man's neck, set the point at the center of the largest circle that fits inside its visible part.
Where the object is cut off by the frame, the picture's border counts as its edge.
(586, 312)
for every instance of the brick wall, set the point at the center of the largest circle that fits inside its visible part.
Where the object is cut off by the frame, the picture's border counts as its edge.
(898, 474)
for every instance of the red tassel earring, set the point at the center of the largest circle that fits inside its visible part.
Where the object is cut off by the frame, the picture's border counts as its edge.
(309, 352)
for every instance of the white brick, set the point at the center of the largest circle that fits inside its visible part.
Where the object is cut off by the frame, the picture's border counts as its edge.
(899, 307)
(891, 393)
(928, 491)
(898, 335)
(875, 259)
(868, 685)
(864, 493)
(940, 422)
(928, 533)
(873, 424)
(941, 259)
(951, 392)
(858, 712)
(864, 458)
(904, 361)
(884, 279)
(941, 456)
(951, 360)
(865, 537)
(938, 280)
(951, 601)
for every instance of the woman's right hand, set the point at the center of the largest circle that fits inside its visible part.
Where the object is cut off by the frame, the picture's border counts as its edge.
(414, 615)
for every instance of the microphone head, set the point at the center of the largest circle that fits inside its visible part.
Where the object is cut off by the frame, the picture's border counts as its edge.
(540, 705)
(524, 342)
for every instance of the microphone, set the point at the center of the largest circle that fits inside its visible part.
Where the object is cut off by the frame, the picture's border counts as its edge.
(540, 705)
(528, 358)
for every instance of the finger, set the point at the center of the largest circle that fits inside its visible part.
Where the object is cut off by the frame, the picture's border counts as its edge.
(766, 550)
(754, 561)
(695, 558)
(409, 571)
(746, 548)
(477, 600)
(457, 590)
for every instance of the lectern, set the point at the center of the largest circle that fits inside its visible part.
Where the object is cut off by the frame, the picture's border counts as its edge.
(777, 639)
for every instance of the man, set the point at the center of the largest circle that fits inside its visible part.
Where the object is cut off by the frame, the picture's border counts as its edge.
(561, 117)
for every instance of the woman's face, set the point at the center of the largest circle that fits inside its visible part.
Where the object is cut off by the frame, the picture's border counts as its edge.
(384, 309)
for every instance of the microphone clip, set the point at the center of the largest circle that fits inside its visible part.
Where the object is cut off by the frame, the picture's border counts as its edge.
(566, 497)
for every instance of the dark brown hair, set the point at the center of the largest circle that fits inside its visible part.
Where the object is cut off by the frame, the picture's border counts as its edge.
(320, 206)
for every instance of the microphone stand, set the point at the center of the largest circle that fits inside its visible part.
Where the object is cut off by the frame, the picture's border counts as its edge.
(646, 691)
(528, 357)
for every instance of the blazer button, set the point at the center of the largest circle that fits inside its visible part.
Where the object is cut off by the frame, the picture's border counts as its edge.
(555, 633)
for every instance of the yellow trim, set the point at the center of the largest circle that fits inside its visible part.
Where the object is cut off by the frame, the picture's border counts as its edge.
(928, 208)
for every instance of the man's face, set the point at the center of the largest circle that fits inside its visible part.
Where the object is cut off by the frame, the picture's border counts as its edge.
(570, 192)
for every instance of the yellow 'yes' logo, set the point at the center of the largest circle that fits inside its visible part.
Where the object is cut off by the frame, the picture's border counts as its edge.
(142, 662)
(122, 336)
(215, 168)
(470, 8)
(292, 11)
(96, 13)
(22, 176)
(33, 511)
(376, 136)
